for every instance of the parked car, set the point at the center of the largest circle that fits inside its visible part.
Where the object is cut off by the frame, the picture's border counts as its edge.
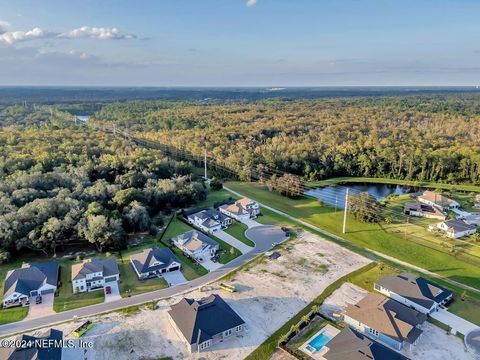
(38, 299)
(108, 290)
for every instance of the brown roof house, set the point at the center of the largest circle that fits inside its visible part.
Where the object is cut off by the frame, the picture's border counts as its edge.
(433, 198)
(205, 322)
(385, 320)
(241, 209)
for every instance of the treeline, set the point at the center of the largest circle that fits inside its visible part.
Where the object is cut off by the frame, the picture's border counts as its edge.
(414, 138)
(68, 185)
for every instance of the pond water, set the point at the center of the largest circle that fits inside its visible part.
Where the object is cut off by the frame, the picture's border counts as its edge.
(83, 117)
(335, 194)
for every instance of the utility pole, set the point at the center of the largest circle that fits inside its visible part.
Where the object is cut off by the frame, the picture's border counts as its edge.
(345, 213)
(205, 163)
(336, 203)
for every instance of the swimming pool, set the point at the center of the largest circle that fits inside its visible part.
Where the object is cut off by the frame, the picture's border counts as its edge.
(320, 341)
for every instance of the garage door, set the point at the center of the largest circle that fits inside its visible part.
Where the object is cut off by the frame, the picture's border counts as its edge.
(175, 268)
(49, 291)
(111, 278)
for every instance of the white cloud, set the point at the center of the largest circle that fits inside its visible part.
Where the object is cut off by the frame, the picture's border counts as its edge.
(3, 26)
(251, 2)
(97, 33)
(11, 37)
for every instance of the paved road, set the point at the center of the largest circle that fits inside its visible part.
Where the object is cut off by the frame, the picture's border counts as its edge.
(261, 246)
(373, 252)
(457, 323)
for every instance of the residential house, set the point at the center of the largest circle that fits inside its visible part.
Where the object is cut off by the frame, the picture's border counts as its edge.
(92, 274)
(30, 280)
(414, 291)
(477, 201)
(209, 220)
(241, 209)
(31, 347)
(438, 200)
(154, 262)
(423, 210)
(352, 345)
(196, 245)
(472, 219)
(205, 322)
(385, 320)
(455, 228)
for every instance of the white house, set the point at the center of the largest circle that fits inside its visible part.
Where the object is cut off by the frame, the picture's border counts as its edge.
(209, 220)
(196, 245)
(241, 209)
(28, 281)
(455, 229)
(385, 320)
(438, 200)
(414, 291)
(423, 210)
(154, 262)
(92, 274)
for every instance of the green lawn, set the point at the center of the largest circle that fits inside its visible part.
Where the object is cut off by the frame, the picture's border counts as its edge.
(372, 236)
(423, 184)
(468, 308)
(13, 314)
(237, 230)
(131, 285)
(66, 299)
(213, 197)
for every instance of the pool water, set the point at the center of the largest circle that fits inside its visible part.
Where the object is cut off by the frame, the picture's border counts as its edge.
(318, 342)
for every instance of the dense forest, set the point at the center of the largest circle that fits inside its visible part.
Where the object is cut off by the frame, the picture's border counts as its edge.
(62, 183)
(424, 138)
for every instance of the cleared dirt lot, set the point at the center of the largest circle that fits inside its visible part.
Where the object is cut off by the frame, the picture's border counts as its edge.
(270, 292)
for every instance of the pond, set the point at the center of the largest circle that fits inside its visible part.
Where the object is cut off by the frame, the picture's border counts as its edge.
(83, 117)
(335, 194)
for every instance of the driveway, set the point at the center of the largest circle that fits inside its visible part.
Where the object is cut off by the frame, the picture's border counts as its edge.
(473, 341)
(39, 310)
(229, 239)
(114, 291)
(457, 323)
(251, 223)
(174, 278)
(210, 265)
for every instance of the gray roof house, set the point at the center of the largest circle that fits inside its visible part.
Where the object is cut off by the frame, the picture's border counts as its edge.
(196, 245)
(209, 220)
(153, 262)
(30, 280)
(423, 210)
(205, 322)
(414, 291)
(94, 273)
(31, 352)
(455, 228)
(385, 320)
(352, 345)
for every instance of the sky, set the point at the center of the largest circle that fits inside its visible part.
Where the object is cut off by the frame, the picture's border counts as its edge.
(240, 42)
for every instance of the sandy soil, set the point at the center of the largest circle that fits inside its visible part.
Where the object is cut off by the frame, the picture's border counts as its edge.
(343, 296)
(270, 292)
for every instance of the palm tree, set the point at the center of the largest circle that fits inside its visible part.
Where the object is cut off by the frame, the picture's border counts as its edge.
(315, 309)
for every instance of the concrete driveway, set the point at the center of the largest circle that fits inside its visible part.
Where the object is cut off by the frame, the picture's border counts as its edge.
(457, 323)
(114, 292)
(39, 310)
(251, 223)
(210, 265)
(174, 278)
(229, 239)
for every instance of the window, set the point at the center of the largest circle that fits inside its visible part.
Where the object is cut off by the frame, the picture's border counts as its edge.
(227, 333)
(238, 328)
(373, 331)
(205, 344)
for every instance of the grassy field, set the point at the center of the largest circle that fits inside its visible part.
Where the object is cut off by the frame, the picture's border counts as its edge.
(13, 314)
(367, 278)
(237, 230)
(372, 236)
(66, 299)
(423, 184)
(130, 284)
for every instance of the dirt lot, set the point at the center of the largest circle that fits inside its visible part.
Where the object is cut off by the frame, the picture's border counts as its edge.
(270, 292)
(338, 301)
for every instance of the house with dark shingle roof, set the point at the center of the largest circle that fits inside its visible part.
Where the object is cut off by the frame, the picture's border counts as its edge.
(414, 291)
(205, 322)
(454, 228)
(30, 280)
(352, 345)
(92, 274)
(385, 320)
(423, 210)
(209, 220)
(154, 262)
(30, 349)
(196, 245)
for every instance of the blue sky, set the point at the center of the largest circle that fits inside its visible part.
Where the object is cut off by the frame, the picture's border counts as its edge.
(240, 42)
